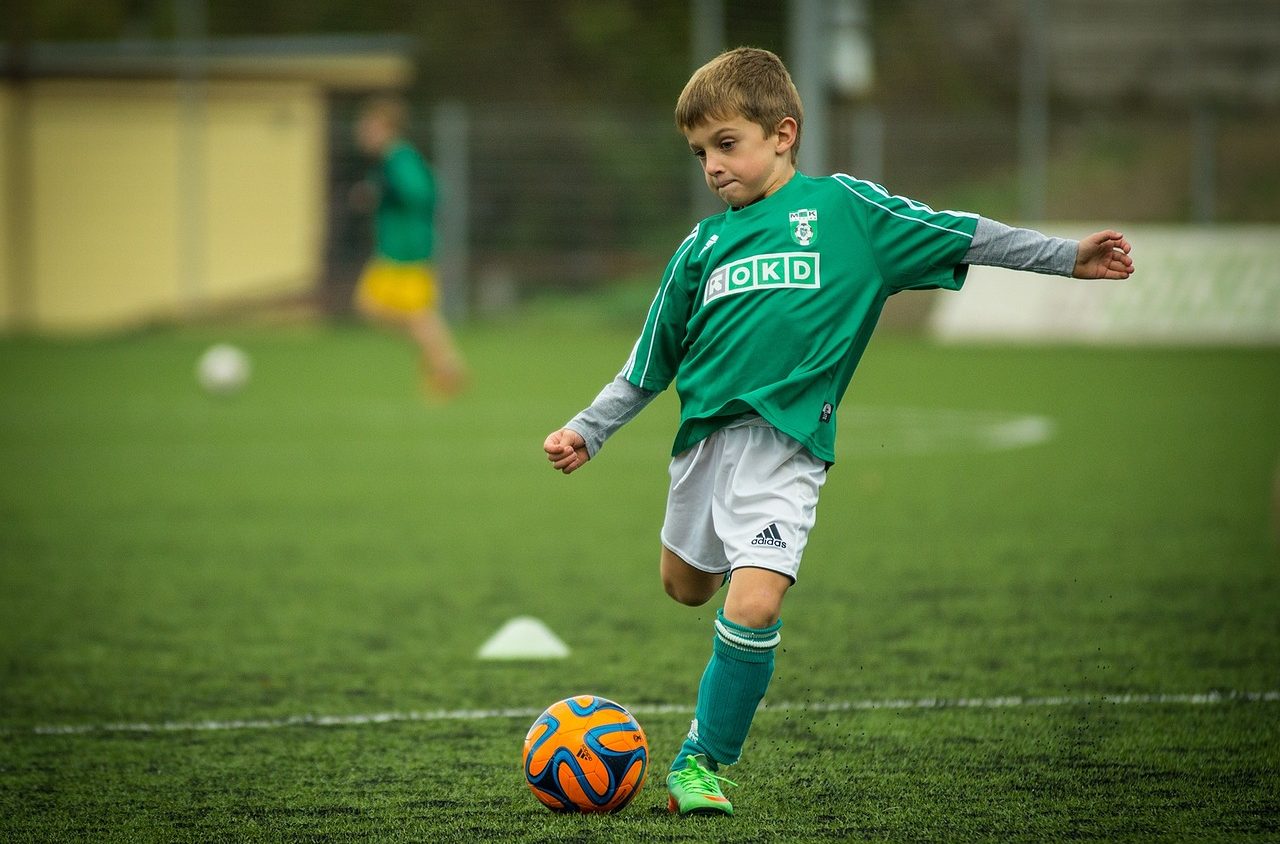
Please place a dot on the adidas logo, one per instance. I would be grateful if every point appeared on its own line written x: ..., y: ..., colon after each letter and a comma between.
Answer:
x: 769, y: 536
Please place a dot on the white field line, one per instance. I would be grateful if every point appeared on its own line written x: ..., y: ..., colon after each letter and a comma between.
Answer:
x: 1196, y: 699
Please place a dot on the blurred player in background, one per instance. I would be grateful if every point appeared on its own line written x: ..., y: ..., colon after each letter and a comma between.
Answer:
x: 398, y: 286
x: 760, y: 319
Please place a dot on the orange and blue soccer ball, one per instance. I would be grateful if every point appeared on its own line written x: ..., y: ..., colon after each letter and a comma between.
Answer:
x: 585, y: 754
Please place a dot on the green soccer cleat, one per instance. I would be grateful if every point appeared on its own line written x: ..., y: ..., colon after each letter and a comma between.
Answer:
x: 696, y: 790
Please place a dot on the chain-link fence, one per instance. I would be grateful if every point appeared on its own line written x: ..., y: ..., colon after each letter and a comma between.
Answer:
x: 575, y: 200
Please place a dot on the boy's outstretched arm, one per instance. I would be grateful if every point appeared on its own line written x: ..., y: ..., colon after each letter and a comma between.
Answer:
x: 583, y: 436
x: 1104, y: 254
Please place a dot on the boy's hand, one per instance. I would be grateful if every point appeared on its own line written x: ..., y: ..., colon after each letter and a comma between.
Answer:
x: 566, y: 450
x: 1103, y: 255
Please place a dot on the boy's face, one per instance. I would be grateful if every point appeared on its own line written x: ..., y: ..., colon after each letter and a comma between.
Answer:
x: 740, y: 163
x: 373, y: 133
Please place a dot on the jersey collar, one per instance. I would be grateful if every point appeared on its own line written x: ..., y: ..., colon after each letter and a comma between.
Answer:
x: 763, y: 206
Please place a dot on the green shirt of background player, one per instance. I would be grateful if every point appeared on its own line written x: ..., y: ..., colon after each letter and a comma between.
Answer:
x: 398, y: 286
x: 761, y: 317
x: 403, y: 225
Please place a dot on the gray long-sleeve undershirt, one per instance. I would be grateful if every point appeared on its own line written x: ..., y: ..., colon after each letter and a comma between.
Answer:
x: 997, y: 245
x: 994, y: 244
x: 616, y: 405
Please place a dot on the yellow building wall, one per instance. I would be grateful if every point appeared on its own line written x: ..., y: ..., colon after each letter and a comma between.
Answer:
x: 6, y: 254
x: 265, y: 191
x: 104, y: 222
x: 117, y: 238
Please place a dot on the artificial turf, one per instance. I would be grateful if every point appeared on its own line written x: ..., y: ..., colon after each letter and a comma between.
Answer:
x: 328, y: 543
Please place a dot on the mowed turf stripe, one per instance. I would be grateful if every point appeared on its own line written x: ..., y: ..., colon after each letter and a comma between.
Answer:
x: 1183, y: 699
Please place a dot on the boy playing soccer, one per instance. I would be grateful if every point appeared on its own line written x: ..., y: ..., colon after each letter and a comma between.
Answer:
x: 761, y: 318
x: 398, y: 285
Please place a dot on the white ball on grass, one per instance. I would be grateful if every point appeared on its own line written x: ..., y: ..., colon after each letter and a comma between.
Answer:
x: 223, y: 369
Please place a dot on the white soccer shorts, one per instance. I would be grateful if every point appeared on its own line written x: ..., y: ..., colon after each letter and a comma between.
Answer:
x: 746, y: 496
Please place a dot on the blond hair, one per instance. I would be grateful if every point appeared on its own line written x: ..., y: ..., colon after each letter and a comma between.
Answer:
x: 744, y: 82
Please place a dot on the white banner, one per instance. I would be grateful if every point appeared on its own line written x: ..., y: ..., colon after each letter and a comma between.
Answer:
x: 1193, y: 284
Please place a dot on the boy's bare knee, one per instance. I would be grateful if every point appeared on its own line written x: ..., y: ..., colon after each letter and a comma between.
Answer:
x: 752, y: 613
x: 755, y: 597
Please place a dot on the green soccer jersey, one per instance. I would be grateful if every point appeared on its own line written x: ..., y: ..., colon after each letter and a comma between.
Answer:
x: 406, y: 202
x: 768, y: 308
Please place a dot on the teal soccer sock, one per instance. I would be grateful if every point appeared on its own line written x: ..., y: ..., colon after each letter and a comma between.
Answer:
x: 732, y: 686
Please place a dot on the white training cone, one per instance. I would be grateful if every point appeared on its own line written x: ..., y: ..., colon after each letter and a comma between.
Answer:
x: 523, y: 637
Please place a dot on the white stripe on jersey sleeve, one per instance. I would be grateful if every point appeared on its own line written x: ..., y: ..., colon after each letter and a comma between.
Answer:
x: 910, y: 203
x: 655, y: 309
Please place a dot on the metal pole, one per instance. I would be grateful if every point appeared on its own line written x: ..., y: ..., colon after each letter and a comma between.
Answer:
x: 191, y: 19
x: 450, y: 158
x: 1204, y: 123
x: 1204, y: 132
x: 853, y: 79
x: 1033, y: 123
x: 867, y: 131
x: 707, y: 37
x: 810, y: 62
x: 708, y: 30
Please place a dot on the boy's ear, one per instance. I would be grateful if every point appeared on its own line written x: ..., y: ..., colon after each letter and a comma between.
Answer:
x: 786, y: 133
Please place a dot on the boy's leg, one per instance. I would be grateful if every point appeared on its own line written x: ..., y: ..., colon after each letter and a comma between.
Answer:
x: 440, y: 356
x: 693, y: 564
x: 740, y: 668
x: 748, y: 496
x: 755, y: 597
x: 403, y: 296
x: 687, y: 585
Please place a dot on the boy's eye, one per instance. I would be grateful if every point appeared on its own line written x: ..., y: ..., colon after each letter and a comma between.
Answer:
x: 699, y: 154
x: 727, y: 144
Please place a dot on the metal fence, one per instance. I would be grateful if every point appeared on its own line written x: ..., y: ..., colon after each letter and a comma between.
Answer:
x: 548, y: 198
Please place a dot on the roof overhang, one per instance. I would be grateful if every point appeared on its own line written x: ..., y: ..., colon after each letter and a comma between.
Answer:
x: 337, y: 62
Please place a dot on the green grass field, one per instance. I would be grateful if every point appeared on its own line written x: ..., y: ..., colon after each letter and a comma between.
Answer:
x: 328, y: 544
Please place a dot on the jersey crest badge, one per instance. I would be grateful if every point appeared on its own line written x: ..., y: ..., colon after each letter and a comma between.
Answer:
x: 804, y: 226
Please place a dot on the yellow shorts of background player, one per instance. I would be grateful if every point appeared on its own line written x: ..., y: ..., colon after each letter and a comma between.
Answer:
x: 397, y: 286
